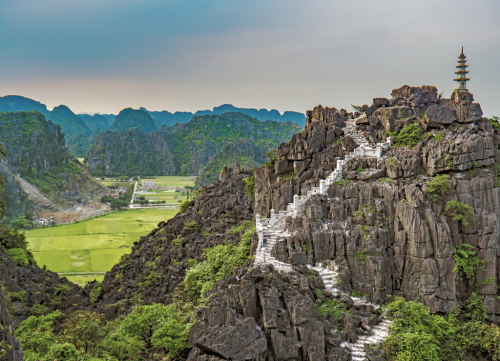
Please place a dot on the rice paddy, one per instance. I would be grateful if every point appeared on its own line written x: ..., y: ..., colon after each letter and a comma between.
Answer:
x: 94, y: 245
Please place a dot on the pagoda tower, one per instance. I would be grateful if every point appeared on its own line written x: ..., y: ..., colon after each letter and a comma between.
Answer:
x: 461, y: 92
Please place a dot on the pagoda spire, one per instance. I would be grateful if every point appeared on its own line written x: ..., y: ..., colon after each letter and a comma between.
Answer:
x: 462, y: 73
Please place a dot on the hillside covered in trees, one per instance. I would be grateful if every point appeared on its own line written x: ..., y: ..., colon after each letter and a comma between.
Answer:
x: 184, y: 149
x: 36, y: 155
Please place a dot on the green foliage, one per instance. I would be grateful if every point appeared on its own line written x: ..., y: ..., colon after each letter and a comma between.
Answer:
x: 243, y: 227
x: 289, y: 175
x: 409, y: 136
x: 361, y: 256
x: 96, y: 292
x: 359, y: 170
x: 448, y: 159
x: 35, y: 333
x: 19, y: 255
x: 305, y: 248
x: 386, y: 180
x: 158, y: 326
x: 466, y: 261
x: 59, y: 296
x: 85, y: 330
x: 183, y: 205
x: 392, y: 161
x: 62, y: 352
x: 341, y: 182
x: 356, y: 108
x: 437, y: 187
x: 461, y: 212
x: 118, y: 204
x: 192, y: 227
x: 494, y: 121
x: 221, y: 261
x: 438, y: 137
x: 250, y: 186
x: 177, y: 242
x: 272, y: 157
x: 417, y: 335
x: 330, y: 307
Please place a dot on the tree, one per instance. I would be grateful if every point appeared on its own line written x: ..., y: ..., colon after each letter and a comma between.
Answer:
x: 85, y: 330
x: 118, y: 204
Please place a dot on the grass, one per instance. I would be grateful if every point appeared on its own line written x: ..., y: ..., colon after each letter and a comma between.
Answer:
x: 95, y: 245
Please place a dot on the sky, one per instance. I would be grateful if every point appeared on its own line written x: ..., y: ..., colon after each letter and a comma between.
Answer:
x: 106, y: 55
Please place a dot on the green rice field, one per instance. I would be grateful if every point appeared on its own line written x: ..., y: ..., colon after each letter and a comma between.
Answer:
x: 94, y: 245
x: 173, y: 181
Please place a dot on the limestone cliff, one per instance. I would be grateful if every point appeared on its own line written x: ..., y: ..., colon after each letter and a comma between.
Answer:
x: 37, y: 154
x: 381, y: 224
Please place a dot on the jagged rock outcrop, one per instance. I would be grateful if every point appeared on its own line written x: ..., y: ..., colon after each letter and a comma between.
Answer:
x: 379, y: 225
x: 262, y: 314
x: 8, y: 342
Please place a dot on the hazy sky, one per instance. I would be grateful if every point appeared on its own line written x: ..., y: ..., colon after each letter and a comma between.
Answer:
x: 105, y: 55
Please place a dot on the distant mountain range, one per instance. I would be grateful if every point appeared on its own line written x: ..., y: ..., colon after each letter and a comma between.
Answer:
x: 167, y: 118
x: 82, y: 129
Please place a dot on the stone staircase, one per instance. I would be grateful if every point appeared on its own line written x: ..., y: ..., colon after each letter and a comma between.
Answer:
x: 358, y: 136
x: 269, y: 229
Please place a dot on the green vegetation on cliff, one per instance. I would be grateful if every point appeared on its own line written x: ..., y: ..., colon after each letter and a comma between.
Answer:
x: 461, y: 335
x: 131, y: 118
x: 185, y: 149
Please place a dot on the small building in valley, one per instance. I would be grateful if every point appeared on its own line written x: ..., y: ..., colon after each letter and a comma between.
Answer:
x: 146, y: 184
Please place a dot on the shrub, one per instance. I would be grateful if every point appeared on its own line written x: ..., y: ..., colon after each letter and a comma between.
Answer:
x: 359, y: 170
x: 466, y: 261
x: 341, y: 182
x: 419, y: 336
x: 361, y: 256
x: 243, y: 227
x: 438, y: 137
x: 96, y: 292
x: 19, y: 256
x: 437, y: 187
x: 35, y: 333
x: 250, y: 186
x: 409, y: 136
x: 150, y: 324
x: 62, y: 352
x: 221, y: 261
x: 272, y: 157
x: 177, y: 242
x: 461, y: 212
x: 494, y: 121
x: 191, y: 227
x: 183, y: 205
x: 392, y: 161
x: 289, y: 175
x: 10, y: 238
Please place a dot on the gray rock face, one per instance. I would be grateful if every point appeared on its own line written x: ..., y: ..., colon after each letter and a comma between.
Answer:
x: 7, y: 339
x: 241, y: 341
x: 381, y: 228
x: 262, y: 314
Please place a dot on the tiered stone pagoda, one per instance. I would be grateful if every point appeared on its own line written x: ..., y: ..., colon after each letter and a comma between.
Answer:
x: 461, y: 93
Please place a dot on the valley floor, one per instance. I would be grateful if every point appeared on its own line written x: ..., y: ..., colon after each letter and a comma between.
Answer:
x: 93, y: 246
